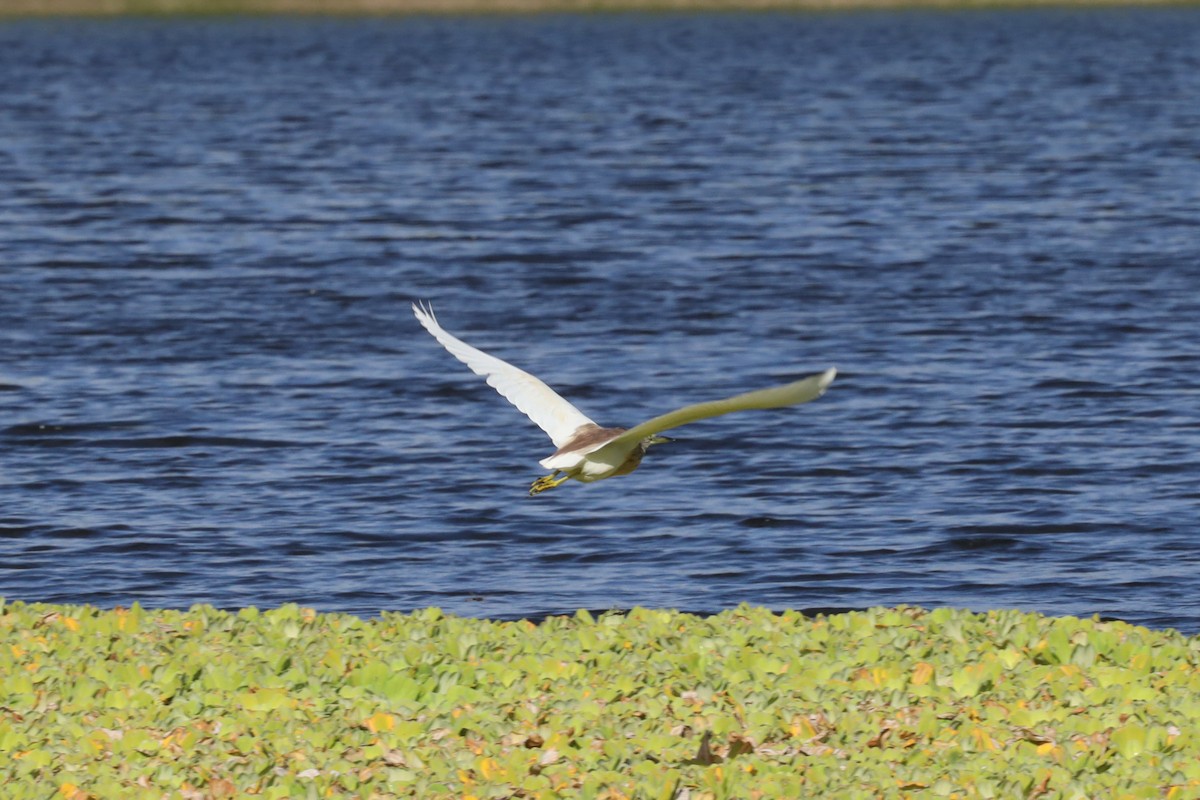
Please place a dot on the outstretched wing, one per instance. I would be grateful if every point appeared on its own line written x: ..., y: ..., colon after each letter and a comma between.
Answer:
x: 558, y: 418
x: 789, y: 394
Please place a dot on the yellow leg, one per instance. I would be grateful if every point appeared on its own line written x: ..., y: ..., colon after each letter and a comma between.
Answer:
x: 547, y: 482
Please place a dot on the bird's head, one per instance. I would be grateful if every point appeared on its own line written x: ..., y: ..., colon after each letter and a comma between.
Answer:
x: 656, y: 439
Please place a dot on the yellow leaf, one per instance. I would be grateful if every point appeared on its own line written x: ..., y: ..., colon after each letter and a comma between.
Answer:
x: 1049, y: 749
x: 70, y: 623
x: 982, y: 740
x: 379, y: 721
x: 922, y: 673
x: 489, y: 768
x: 876, y: 676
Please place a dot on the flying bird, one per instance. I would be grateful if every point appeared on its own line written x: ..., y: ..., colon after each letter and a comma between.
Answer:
x: 586, y: 452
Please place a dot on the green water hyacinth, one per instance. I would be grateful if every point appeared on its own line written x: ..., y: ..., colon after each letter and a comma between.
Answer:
x: 885, y: 703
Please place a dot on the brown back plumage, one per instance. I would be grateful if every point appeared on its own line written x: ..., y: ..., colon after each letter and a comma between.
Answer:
x: 587, y: 438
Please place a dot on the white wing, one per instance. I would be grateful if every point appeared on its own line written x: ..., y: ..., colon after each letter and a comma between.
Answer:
x: 789, y: 394
x: 558, y: 418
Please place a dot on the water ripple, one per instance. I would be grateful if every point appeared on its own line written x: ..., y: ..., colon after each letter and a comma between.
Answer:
x: 211, y: 389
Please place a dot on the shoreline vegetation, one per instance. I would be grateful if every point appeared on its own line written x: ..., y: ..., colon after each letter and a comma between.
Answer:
x: 883, y: 703
x: 106, y: 8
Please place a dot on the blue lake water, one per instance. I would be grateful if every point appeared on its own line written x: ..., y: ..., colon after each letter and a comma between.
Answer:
x: 212, y: 388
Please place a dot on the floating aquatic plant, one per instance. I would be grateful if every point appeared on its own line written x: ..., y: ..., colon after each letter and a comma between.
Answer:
x: 289, y: 702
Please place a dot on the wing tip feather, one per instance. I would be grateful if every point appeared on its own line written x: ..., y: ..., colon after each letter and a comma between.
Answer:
x: 423, y: 311
x: 827, y: 378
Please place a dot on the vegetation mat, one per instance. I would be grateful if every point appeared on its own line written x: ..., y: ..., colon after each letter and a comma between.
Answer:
x: 133, y: 703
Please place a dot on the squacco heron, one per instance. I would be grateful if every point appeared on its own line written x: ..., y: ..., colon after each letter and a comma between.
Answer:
x: 586, y: 452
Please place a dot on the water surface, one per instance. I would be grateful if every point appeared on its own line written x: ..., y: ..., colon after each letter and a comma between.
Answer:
x: 212, y: 388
